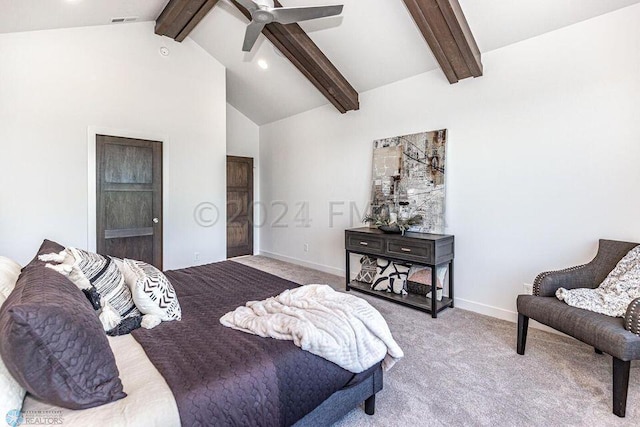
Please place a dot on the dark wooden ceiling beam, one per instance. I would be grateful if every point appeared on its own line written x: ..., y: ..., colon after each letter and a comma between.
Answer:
x: 180, y: 17
x: 446, y: 30
x: 307, y: 57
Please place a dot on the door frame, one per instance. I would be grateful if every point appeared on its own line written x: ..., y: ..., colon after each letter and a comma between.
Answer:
x: 92, y: 132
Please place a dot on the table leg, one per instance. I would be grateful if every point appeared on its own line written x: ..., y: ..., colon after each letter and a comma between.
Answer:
x: 347, y: 271
x: 451, y: 282
x: 434, y: 291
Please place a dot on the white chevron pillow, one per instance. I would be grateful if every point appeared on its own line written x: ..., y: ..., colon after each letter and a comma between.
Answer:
x: 152, y: 292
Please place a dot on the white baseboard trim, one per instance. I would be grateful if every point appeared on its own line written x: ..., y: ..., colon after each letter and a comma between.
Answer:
x: 476, y: 307
x: 500, y: 313
x: 303, y: 263
x: 487, y: 310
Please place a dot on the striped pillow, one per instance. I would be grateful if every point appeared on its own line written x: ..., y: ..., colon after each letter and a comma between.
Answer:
x: 108, y: 291
x: 152, y: 292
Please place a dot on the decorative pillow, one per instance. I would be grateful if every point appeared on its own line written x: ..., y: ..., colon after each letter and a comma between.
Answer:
x: 152, y: 292
x: 615, y: 293
x: 391, y: 277
x: 52, y: 342
x: 102, y: 282
x: 9, y: 272
x: 422, y: 275
x: 368, y: 270
x: 12, y: 393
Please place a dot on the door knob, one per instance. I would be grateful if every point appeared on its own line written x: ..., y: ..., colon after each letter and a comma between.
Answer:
x: 156, y: 220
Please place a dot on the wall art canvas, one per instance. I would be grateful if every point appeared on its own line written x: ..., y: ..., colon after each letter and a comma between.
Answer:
x: 409, y: 178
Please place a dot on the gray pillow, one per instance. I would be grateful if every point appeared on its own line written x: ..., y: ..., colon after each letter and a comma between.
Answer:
x: 52, y: 341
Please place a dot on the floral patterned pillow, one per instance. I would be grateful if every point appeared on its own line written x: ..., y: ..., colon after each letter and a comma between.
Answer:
x: 613, y: 296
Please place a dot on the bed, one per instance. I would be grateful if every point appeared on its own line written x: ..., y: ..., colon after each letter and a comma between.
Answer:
x: 196, y: 372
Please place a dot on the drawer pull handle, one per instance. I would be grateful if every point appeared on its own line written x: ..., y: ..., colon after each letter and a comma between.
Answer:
x: 364, y: 243
x: 405, y: 249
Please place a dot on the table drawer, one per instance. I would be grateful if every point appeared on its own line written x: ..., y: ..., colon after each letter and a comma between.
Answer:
x: 415, y: 251
x: 363, y: 243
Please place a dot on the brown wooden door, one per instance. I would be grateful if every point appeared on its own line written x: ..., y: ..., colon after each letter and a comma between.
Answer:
x: 129, y: 198
x: 239, y: 206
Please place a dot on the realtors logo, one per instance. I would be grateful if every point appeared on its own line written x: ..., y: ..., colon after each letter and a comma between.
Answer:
x: 16, y: 418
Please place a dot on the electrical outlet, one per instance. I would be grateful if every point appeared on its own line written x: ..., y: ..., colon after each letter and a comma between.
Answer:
x: 528, y: 288
x: 196, y: 256
x: 306, y: 247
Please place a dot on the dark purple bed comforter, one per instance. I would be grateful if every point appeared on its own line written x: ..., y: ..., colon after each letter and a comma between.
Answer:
x: 222, y: 377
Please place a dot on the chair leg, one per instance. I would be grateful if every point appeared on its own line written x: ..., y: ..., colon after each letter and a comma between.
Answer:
x: 620, y: 386
x: 597, y: 350
x: 523, y: 326
x: 370, y: 405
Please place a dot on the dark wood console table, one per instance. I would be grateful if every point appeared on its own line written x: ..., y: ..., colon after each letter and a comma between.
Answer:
x: 432, y: 250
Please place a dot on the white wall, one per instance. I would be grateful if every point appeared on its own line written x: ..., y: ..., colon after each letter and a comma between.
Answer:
x: 56, y: 84
x: 243, y: 140
x: 543, y: 158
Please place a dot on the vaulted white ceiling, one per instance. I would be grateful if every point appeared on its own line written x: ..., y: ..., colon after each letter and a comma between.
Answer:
x: 28, y: 15
x: 373, y: 43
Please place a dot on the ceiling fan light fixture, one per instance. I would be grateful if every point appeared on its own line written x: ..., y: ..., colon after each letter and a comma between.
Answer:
x: 262, y: 17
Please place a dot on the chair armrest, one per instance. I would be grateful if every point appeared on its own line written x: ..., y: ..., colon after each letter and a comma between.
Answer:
x: 632, y: 318
x: 582, y: 276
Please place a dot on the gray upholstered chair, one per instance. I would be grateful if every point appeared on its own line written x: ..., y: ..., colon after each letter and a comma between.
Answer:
x: 618, y: 337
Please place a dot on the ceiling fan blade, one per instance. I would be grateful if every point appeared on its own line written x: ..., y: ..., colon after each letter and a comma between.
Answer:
x: 251, y: 35
x: 289, y: 15
x: 247, y: 4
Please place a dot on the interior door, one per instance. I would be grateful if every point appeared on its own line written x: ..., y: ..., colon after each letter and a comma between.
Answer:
x: 129, y: 198
x: 239, y: 206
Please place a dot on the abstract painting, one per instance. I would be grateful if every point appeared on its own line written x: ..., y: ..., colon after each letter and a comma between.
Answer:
x: 409, y: 178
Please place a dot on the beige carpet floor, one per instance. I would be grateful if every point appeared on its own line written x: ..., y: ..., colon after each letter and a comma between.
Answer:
x: 462, y: 369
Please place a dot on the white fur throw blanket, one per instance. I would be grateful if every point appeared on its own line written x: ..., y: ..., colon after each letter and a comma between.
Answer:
x: 615, y: 294
x: 339, y: 327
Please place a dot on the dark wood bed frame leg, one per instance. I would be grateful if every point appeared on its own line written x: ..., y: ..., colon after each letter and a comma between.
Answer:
x: 620, y: 386
x: 523, y: 326
x: 370, y: 405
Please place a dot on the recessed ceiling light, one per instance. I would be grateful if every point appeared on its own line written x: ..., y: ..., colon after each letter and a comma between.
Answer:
x: 263, y: 64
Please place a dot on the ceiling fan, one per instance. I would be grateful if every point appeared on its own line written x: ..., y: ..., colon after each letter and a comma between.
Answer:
x: 263, y: 12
